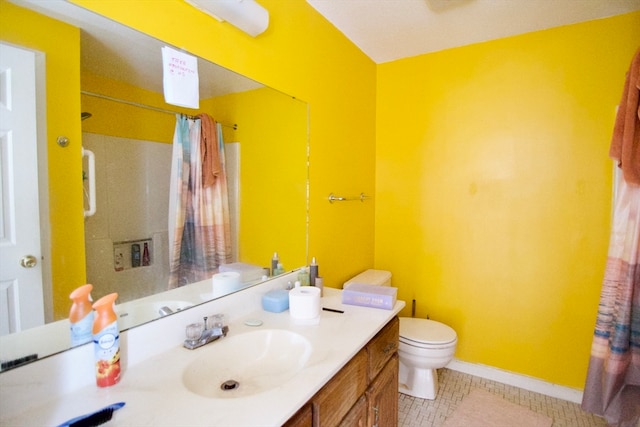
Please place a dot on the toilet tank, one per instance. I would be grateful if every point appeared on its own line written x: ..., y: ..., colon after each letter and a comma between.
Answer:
x: 371, y: 277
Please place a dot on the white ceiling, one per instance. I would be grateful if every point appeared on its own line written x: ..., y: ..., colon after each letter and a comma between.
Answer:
x: 386, y: 30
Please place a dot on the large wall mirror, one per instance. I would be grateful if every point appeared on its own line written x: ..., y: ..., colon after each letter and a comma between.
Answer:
x: 129, y: 129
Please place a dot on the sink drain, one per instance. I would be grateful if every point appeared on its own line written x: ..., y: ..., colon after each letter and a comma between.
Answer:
x: 229, y: 385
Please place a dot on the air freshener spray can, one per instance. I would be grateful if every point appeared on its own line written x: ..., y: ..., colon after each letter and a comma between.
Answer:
x: 106, y: 341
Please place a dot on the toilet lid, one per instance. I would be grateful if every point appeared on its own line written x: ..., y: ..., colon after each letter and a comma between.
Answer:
x: 425, y: 331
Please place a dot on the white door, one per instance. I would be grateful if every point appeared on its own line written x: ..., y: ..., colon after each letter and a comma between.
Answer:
x: 21, y: 292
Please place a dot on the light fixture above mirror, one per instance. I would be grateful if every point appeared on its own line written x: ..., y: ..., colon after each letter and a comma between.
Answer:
x: 246, y: 15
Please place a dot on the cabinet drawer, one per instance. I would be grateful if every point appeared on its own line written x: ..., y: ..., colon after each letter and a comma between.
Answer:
x: 337, y: 397
x: 382, y: 347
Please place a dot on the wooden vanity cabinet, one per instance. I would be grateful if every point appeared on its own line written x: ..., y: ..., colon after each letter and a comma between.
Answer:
x: 365, y: 391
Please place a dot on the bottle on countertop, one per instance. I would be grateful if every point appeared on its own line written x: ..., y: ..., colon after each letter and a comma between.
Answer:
x: 320, y: 284
x: 274, y: 264
x: 303, y: 276
x: 106, y: 339
x: 313, y: 272
x: 81, y: 315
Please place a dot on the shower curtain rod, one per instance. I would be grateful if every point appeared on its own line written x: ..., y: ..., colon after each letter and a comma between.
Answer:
x: 148, y: 107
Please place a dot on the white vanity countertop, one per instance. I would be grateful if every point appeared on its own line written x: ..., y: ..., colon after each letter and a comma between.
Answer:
x: 155, y: 394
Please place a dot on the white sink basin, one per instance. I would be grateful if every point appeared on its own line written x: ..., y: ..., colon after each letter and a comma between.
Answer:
x: 248, y: 364
x: 138, y: 313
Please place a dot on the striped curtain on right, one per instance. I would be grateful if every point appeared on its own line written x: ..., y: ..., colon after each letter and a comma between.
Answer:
x: 612, y: 388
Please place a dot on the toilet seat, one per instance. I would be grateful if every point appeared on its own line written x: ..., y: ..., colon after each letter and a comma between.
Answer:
x: 425, y: 333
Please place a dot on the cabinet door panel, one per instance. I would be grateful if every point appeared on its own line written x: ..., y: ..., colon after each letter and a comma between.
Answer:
x: 357, y: 416
x: 382, y: 397
x: 337, y: 397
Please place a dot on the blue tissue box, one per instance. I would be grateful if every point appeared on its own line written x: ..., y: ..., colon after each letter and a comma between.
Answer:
x: 370, y: 296
x: 276, y: 300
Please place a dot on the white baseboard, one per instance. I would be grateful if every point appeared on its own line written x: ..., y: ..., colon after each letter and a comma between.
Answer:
x: 517, y: 380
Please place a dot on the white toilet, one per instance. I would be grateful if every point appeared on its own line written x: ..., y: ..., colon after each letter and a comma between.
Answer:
x: 425, y: 345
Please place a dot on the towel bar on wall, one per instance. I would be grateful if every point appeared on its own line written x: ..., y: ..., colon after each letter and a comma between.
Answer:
x: 362, y: 197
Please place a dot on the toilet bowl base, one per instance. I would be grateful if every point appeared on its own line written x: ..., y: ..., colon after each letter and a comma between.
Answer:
x: 416, y: 382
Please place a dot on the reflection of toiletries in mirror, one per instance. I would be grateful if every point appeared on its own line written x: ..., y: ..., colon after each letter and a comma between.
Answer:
x: 106, y: 339
x: 81, y: 315
x: 279, y: 269
x: 146, y: 260
x: 118, y: 259
x: 135, y: 255
x: 303, y: 276
x: 274, y: 264
x: 313, y: 272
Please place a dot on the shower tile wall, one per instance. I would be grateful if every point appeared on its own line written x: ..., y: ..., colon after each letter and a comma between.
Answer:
x: 132, y: 187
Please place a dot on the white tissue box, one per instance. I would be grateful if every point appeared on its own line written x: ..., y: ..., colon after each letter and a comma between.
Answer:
x: 370, y: 295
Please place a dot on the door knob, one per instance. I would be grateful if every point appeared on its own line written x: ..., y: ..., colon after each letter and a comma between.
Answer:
x: 28, y: 261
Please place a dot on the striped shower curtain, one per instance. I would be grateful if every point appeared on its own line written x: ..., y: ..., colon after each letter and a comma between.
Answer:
x: 199, y: 228
x: 612, y: 389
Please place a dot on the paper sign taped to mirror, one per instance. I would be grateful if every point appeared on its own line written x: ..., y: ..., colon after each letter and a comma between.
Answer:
x: 180, y: 78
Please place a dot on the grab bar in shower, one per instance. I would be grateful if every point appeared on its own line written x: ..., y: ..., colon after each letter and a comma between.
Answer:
x: 91, y: 163
x: 333, y: 198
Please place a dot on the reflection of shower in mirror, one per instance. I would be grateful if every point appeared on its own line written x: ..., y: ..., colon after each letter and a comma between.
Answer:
x: 131, y: 193
x: 135, y: 216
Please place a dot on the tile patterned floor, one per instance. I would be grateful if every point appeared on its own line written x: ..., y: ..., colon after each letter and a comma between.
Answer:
x: 454, y: 386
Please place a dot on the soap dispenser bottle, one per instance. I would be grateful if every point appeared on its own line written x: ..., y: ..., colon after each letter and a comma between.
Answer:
x: 81, y: 315
x: 106, y: 341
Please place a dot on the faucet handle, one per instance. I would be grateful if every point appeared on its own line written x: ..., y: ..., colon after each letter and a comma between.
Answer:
x: 214, y: 321
x: 194, y: 331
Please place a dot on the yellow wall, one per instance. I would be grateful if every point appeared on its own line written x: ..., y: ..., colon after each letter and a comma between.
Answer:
x: 62, y: 62
x: 493, y: 197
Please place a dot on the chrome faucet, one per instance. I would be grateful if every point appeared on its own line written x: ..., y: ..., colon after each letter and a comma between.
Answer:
x: 202, y: 333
